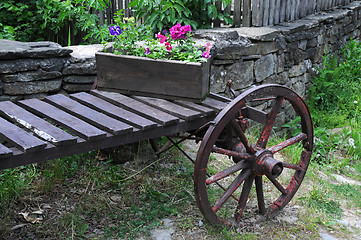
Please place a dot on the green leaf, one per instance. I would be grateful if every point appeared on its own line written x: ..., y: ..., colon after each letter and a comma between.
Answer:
x: 179, y: 9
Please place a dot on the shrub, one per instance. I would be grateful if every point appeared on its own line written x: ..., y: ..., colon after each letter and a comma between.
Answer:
x: 38, y: 20
x: 162, y: 14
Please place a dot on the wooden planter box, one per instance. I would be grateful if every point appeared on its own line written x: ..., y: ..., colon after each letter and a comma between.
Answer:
x: 160, y: 78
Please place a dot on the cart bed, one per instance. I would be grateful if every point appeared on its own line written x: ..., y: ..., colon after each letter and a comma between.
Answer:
x: 36, y: 130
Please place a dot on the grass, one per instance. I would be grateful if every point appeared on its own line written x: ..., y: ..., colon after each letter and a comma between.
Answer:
x: 92, y: 199
x: 93, y: 190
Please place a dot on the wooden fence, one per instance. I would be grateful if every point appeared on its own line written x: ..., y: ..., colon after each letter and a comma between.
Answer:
x: 259, y: 13
x: 249, y: 13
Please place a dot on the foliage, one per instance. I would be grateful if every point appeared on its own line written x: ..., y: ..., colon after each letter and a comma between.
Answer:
x: 162, y: 14
x: 334, y: 103
x: 37, y: 20
x: 177, y: 44
x: 337, y: 87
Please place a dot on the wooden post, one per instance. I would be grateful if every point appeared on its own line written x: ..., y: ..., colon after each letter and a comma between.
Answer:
x: 237, y: 13
x: 318, y: 6
x: 257, y: 13
x: 288, y: 10
x: 283, y: 11
x: 277, y: 11
x: 265, y: 12
x: 271, y: 12
x: 246, y: 14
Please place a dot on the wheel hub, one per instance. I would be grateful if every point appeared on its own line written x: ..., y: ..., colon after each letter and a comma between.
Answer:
x: 265, y: 164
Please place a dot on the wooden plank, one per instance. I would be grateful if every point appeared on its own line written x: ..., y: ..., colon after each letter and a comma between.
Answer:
x: 283, y: 11
x: 137, y: 107
x: 215, y: 104
x: 311, y: 4
x: 293, y: 8
x: 237, y: 13
x: 194, y: 106
x: 157, y: 78
x: 171, y: 108
x: 271, y: 12
x: 114, y: 111
x: 318, y: 5
x: 5, y: 152
x: 254, y: 114
x: 38, y: 126
x: 246, y: 13
x: 20, y: 138
x: 257, y: 14
x: 64, y: 119
x: 288, y: 10
x: 265, y: 12
x: 277, y: 11
x: 52, y: 152
x: 219, y: 97
x: 89, y: 115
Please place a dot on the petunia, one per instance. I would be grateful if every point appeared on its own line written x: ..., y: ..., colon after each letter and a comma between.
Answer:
x: 187, y: 28
x: 115, y: 30
x: 175, y: 31
x: 168, y: 46
x: 205, y: 55
x: 147, y: 50
x: 162, y: 38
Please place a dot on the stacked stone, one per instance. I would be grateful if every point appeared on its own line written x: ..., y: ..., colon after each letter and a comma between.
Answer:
x: 286, y: 54
x: 30, y: 69
x: 80, y: 69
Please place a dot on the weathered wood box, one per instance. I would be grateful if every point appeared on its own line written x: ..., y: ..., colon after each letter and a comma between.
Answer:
x: 160, y: 78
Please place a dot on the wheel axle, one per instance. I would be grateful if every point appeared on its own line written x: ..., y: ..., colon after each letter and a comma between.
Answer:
x: 265, y: 164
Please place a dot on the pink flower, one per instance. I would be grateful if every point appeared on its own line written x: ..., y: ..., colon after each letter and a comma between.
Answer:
x: 168, y: 46
x: 208, y: 47
x: 187, y: 28
x: 205, y: 55
x: 162, y: 38
x: 178, y: 31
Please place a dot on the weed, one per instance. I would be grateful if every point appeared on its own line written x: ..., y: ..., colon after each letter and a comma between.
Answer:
x: 320, y: 199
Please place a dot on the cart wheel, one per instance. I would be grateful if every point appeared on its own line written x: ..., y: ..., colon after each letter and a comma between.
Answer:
x: 234, y: 153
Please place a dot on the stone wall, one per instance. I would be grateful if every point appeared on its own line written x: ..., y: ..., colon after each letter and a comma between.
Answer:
x: 286, y: 54
x: 37, y: 69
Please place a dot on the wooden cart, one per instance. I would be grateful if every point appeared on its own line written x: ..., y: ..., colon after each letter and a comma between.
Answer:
x: 34, y: 130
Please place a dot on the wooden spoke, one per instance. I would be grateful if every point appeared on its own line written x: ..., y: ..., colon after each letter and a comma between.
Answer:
x: 230, y: 153
x: 292, y: 166
x: 262, y: 141
x: 288, y: 142
x: 260, y: 196
x: 226, y: 172
x: 243, y: 199
x: 241, y: 135
x: 277, y: 184
x: 231, y: 189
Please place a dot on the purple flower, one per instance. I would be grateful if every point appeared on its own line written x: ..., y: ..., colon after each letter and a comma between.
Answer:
x: 147, y: 50
x: 115, y: 30
x: 164, y: 32
x: 205, y: 55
